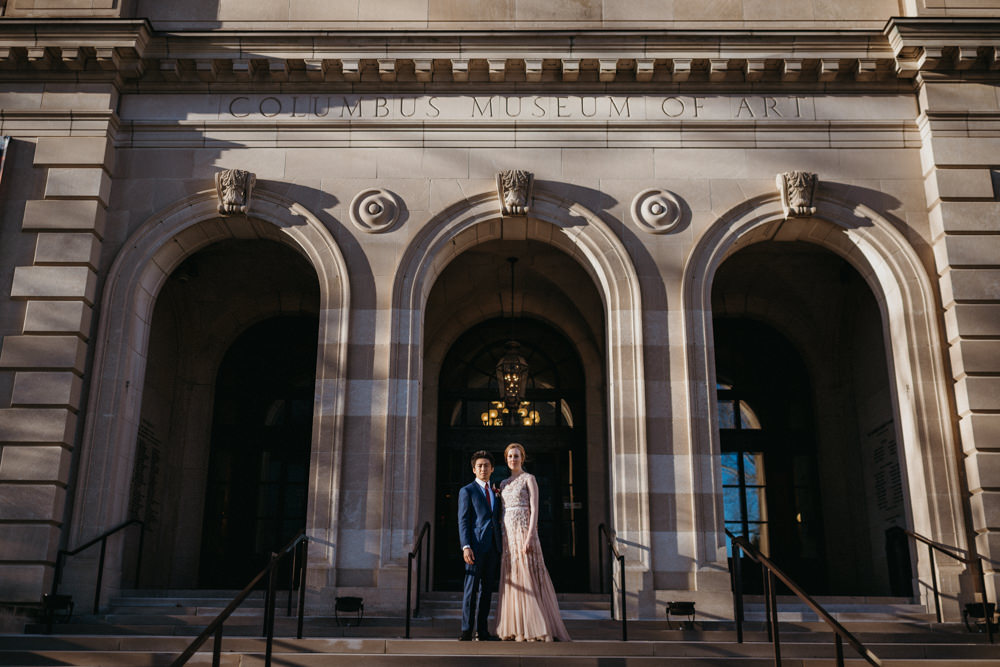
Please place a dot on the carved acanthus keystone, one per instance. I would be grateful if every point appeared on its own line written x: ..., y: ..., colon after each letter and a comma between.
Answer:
x: 514, y: 189
x: 234, y: 187
x: 798, y: 189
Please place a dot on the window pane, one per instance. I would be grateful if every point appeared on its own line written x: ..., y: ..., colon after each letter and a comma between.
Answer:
x: 753, y: 468
x: 730, y: 472
x: 731, y: 504
x: 756, y: 505
x: 727, y: 418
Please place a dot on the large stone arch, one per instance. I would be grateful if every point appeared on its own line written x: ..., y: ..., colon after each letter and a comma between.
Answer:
x: 582, y: 235
x: 906, y: 299
x: 138, y: 273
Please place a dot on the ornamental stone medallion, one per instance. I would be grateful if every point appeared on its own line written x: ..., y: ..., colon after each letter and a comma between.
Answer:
x: 797, y: 191
x: 656, y: 211
x: 514, y: 188
x: 234, y: 187
x: 374, y: 210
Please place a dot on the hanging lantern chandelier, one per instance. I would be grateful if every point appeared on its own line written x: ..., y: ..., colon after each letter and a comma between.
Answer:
x: 512, y: 379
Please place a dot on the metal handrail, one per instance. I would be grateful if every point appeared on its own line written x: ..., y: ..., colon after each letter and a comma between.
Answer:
x: 103, y: 539
x: 770, y: 598
x: 609, y: 538
x: 298, y: 544
x: 954, y: 552
x: 417, y: 553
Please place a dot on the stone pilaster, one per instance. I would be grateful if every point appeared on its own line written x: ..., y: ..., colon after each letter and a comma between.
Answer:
x: 38, y: 430
x: 959, y: 149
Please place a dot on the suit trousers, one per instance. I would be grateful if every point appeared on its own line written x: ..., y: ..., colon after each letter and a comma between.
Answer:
x: 480, y: 584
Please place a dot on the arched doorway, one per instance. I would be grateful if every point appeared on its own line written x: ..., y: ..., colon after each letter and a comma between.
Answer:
x: 550, y: 424
x: 811, y: 469
x: 227, y: 395
x: 258, y: 472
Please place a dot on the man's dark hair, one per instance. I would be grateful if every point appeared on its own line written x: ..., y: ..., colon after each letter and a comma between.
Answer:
x: 483, y: 454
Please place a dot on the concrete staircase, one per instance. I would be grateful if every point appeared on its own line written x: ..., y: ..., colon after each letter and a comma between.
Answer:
x: 151, y: 628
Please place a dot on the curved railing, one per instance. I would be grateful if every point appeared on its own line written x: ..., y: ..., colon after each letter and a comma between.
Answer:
x: 417, y: 554
x: 609, y: 539
x: 297, y: 548
x: 103, y: 539
x: 770, y: 600
x: 955, y: 553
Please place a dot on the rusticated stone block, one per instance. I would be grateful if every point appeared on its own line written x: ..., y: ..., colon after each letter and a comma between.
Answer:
x: 985, y: 510
x: 972, y: 319
x: 64, y: 215
x: 35, y: 464
x: 74, y: 151
x: 32, y: 502
x: 983, y: 470
x: 980, y: 432
x: 24, y: 583
x: 29, y: 542
x: 80, y: 182
x: 52, y: 388
x: 68, y: 249
x: 69, y: 317
x: 43, y: 352
x: 970, y: 285
x: 37, y: 425
x: 964, y: 217
x: 54, y: 282
x: 977, y: 393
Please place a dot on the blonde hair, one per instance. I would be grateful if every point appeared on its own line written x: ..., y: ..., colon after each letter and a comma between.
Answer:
x: 515, y: 445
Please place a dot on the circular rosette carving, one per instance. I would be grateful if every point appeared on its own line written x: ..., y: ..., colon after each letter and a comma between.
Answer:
x: 374, y: 210
x: 656, y: 211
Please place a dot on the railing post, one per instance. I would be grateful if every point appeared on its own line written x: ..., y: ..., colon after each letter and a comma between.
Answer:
x: 738, y: 591
x: 420, y: 562
x: 427, y: 574
x: 772, y: 594
x: 292, y: 571
x: 217, y: 647
x: 409, y: 580
x: 934, y: 585
x: 766, y: 581
x: 304, y: 563
x: 269, y: 613
x: 840, y: 650
x: 100, y: 575
x: 621, y: 582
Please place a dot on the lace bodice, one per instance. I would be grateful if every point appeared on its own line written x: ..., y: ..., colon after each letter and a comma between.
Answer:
x: 515, y: 493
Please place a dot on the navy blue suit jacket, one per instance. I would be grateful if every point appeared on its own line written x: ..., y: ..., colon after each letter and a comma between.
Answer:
x: 478, y: 527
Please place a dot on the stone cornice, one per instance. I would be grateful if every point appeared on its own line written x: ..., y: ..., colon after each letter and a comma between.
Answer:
x: 944, y: 45
x: 133, y: 53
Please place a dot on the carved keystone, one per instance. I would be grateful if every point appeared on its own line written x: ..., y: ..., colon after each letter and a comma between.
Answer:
x: 234, y: 187
x: 797, y: 190
x: 514, y: 188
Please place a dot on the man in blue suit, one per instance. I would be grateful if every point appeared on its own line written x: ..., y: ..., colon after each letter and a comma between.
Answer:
x: 479, y: 517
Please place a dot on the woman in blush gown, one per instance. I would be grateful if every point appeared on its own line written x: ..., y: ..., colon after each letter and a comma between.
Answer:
x: 528, y: 610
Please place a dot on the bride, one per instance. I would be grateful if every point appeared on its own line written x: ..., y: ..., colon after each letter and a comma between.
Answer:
x: 527, y: 603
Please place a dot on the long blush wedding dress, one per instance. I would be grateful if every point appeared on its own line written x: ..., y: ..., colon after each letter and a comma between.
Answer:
x: 528, y: 610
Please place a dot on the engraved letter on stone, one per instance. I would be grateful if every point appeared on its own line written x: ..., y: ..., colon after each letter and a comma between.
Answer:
x: 797, y: 191
x: 514, y: 189
x: 234, y: 187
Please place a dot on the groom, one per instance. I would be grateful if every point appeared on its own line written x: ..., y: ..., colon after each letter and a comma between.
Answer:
x: 479, y: 519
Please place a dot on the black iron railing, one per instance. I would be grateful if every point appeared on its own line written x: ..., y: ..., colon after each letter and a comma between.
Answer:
x: 103, y: 539
x: 975, y: 562
x: 771, y: 571
x: 298, y: 550
x: 417, y: 554
x: 612, y: 547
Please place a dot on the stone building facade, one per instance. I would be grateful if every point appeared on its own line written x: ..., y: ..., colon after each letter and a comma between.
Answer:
x: 256, y: 278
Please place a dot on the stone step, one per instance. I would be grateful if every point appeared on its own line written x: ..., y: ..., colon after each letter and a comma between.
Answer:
x: 86, y: 651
